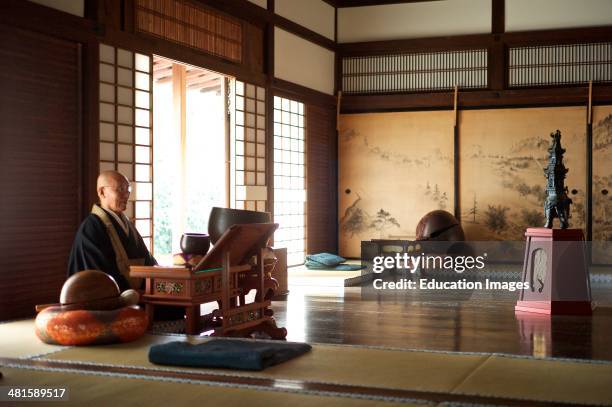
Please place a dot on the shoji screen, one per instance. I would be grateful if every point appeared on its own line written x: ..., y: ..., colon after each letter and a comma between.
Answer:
x: 248, y: 147
x: 126, y: 128
x: 290, y: 178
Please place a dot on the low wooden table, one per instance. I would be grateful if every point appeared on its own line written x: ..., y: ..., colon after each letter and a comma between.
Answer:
x: 217, y: 278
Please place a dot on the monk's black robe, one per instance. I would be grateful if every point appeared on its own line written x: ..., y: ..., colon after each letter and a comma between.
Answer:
x: 92, y: 249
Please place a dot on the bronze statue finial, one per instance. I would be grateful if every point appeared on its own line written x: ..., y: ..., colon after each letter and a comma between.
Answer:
x: 557, y: 204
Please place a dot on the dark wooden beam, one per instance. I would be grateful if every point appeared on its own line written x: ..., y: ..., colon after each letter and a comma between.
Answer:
x: 472, y: 41
x: 415, y: 45
x: 337, y: 58
x: 262, y: 17
x: 305, y: 33
x: 241, y: 9
x: 128, y: 16
x: 302, y: 93
x: 565, y: 96
x: 498, y: 16
x: 149, y: 44
x: 91, y: 122
x: 332, y: 3
x: 269, y: 38
x: 497, y: 58
x: 561, y: 36
x: 269, y: 58
x: 361, y: 3
x: 46, y: 20
x: 107, y: 12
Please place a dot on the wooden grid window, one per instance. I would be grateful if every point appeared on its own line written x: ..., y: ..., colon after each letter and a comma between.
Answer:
x: 415, y: 72
x: 249, y: 147
x: 560, y: 64
x: 290, y: 178
x: 125, y: 114
x: 189, y: 24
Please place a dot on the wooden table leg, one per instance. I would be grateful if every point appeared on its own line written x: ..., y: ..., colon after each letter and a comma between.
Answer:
x: 149, y: 310
x: 192, y: 320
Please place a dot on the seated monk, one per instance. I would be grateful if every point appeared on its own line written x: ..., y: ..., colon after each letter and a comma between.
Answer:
x: 108, y: 241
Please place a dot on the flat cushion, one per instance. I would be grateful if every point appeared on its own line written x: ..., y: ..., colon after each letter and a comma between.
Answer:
x: 57, y: 326
x: 326, y: 259
x: 313, y: 265
x: 228, y: 353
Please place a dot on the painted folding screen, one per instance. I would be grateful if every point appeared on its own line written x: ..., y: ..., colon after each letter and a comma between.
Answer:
x: 393, y: 169
x: 503, y: 154
x: 602, y: 185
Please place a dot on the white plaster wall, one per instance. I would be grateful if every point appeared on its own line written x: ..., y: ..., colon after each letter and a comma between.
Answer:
x: 524, y: 15
x: 76, y: 7
x: 299, y: 61
x: 315, y: 15
x: 260, y: 3
x: 414, y: 20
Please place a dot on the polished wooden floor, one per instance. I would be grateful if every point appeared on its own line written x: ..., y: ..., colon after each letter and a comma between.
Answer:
x: 477, y: 321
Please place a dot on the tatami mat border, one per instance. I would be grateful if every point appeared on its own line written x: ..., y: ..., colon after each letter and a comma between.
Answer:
x: 419, y: 397
x: 246, y: 375
x: 43, y: 354
x: 287, y: 389
x: 397, y: 349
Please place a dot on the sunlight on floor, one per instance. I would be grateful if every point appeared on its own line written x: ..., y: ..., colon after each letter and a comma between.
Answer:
x: 320, y: 283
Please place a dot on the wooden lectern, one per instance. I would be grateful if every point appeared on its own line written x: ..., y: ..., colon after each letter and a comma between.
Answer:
x: 237, y: 256
x: 556, y: 270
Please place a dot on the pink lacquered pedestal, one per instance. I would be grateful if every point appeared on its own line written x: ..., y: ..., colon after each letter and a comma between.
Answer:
x: 556, y: 270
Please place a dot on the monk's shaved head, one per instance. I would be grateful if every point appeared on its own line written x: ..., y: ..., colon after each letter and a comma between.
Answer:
x: 113, y: 191
x: 110, y: 178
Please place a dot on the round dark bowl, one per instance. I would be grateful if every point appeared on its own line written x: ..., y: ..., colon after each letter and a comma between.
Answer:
x: 195, y: 243
x: 441, y: 226
x: 222, y: 218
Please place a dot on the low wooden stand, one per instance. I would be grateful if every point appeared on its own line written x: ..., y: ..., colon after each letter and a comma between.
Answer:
x: 555, y: 269
x: 218, y: 277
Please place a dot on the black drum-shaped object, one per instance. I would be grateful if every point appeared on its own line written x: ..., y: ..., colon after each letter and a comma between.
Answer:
x: 222, y: 218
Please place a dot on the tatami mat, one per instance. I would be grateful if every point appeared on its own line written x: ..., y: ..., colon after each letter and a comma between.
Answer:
x: 453, y: 373
x: 17, y: 340
x: 521, y: 378
x: 98, y: 390
x: 345, y: 365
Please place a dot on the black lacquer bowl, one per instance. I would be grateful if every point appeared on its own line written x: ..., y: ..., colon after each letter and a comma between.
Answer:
x: 222, y: 218
x: 195, y: 243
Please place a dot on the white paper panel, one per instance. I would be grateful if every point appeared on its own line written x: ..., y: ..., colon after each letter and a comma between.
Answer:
x: 125, y: 96
x: 125, y: 152
x: 142, y: 62
x: 107, y: 132
x: 300, y: 61
x: 127, y: 170
x: 107, y: 151
x: 107, y: 53
x: 107, y: 112
x: 523, y: 15
x: 315, y: 15
x: 125, y: 134
x: 414, y: 20
x: 125, y: 58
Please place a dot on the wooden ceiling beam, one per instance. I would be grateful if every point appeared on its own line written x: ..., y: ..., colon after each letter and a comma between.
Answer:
x: 361, y: 3
x: 204, y: 83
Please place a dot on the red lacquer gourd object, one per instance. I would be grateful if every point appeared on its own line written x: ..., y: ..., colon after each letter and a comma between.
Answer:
x: 91, y: 311
x: 88, y: 327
